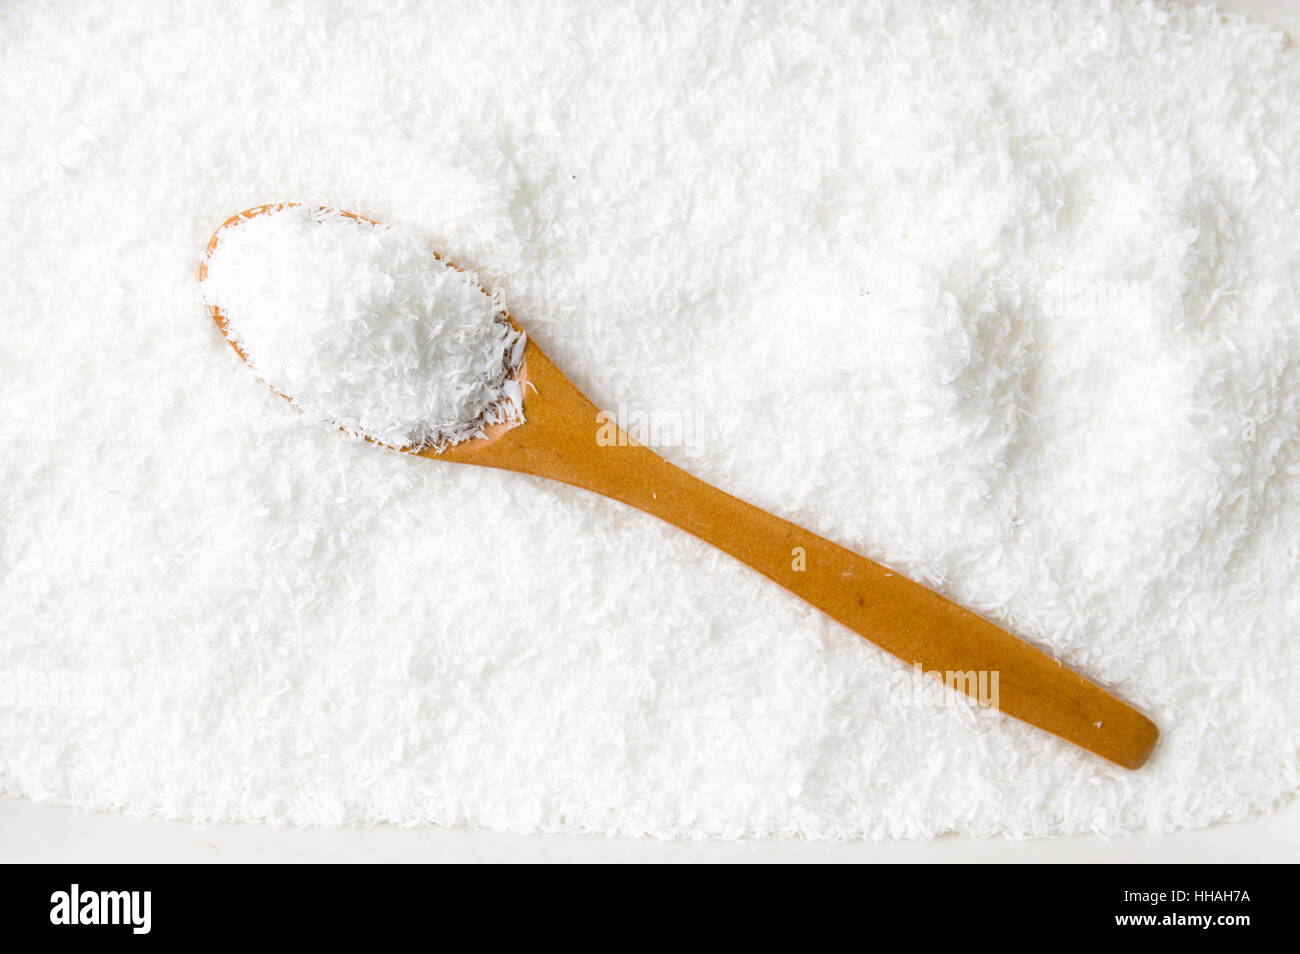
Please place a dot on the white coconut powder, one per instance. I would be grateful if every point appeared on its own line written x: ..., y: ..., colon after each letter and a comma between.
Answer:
x: 1003, y: 294
x: 363, y: 328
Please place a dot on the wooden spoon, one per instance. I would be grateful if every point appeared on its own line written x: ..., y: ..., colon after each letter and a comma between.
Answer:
x: 563, y: 439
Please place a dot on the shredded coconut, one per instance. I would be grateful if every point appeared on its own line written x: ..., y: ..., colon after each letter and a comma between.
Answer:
x: 1004, y: 294
x: 363, y: 328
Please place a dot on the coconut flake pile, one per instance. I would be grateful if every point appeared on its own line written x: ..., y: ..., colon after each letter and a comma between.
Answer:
x: 1002, y: 293
x: 363, y: 328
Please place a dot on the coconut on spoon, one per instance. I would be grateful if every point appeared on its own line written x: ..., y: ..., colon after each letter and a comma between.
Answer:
x: 363, y: 328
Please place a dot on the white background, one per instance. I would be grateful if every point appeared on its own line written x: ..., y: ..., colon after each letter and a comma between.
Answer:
x: 40, y: 833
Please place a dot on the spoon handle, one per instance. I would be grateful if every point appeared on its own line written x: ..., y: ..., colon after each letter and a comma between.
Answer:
x: 564, y: 439
x: 900, y: 616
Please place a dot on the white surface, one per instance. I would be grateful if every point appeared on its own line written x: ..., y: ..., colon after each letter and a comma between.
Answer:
x: 28, y: 832
x: 35, y: 833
